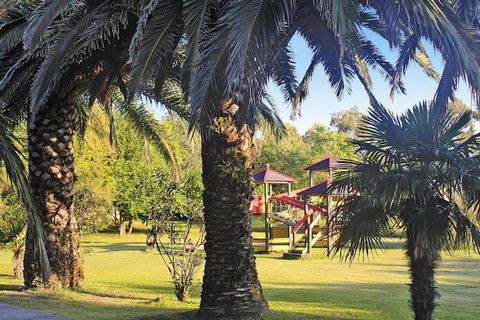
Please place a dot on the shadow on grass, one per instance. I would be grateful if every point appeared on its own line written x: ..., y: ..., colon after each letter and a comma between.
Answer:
x: 288, y: 300
x: 118, y: 247
x: 11, y: 287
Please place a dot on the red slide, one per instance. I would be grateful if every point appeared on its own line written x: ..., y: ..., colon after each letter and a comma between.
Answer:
x: 296, y: 203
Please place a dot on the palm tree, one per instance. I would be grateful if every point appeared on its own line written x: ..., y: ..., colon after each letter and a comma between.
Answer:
x: 236, y: 58
x: 408, y: 178
x: 51, y: 130
x: 11, y: 159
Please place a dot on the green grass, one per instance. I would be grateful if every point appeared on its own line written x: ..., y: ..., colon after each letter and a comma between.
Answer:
x: 124, y: 281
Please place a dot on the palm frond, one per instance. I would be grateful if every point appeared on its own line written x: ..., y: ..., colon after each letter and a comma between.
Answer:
x: 147, y: 127
x: 195, y: 18
x: 41, y: 18
x: 157, y: 40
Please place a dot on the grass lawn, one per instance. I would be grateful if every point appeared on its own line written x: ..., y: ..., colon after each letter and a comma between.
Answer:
x: 123, y: 281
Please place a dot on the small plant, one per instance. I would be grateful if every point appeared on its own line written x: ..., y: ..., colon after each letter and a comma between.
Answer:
x: 179, y: 253
x: 13, y: 222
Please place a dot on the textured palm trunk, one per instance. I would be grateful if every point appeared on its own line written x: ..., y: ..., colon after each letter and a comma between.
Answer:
x: 51, y: 168
x: 422, y: 263
x: 231, y: 288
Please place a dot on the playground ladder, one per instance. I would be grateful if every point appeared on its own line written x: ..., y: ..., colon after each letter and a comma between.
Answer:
x: 309, y: 233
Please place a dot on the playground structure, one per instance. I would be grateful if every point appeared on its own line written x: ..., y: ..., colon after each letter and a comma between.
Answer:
x: 294, y: 220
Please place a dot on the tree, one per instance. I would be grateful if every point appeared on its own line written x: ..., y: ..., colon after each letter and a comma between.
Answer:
x: 68, y: 98
x: 324, y: 142
x: 406, y: 177
x: 169, y: 202
x: 288, y: 153
x: 130, y: 171
x: 347, y: 121
x: 15, y: 171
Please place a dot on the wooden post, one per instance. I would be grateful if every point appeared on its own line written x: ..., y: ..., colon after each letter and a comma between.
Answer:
x: 328, y: 225
x: 289, y: 188
x: 329, y: 212
x: 310, y: 177
x: 307, y: 224
x: 267, y: 226
x: 291, y: 238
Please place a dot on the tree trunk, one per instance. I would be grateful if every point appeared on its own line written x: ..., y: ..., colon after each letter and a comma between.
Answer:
x: 121, y: 226
x: 231, y: 288
x: 17, y: 262
x: 422, y: 263
x: 130, y: 226
x: 51, y: 168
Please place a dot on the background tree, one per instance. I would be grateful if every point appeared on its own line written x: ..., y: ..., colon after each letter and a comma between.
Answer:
x: 409, y: 178
x: 347, y: 121
x: 288, y: 153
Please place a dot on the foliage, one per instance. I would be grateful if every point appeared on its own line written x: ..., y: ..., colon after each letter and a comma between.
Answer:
x: 324, y: 142
x: 288, y: 154
x: 292, y: 152
x: 13, y: 221
x: 92, y: 212
x: 410, y: 177
x: 129, y: 174
x: 347, y: 121
x: 180, y: 254
x: 143, y: 184
x: 168, y: 202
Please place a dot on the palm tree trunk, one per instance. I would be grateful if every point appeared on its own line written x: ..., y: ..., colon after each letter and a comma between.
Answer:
x: 231, y: 287
x: 422, y: 263
x: 51, y: 168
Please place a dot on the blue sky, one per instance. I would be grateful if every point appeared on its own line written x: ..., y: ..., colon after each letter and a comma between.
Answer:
x: 322, y: 102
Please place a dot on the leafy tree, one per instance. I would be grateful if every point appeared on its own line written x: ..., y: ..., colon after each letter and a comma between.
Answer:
x: 130, y: 171
x: 323, y: 142
x: 411, y: 178
x: 288, y: 153
x: 93, y: 211
x: 347, y: 121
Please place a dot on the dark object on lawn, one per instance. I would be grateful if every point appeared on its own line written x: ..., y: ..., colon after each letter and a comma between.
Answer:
x: 150, y: 241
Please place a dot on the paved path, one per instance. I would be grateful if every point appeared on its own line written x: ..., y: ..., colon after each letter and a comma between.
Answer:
x: 9, y: 312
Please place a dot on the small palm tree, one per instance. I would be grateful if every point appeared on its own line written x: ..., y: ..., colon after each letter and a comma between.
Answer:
x: 409, y: 177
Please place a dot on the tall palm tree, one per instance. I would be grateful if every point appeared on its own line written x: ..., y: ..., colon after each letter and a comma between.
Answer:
x: 11, y: 158
x: 409, y: 178
x: 51, y: 130
x: 238, y: 55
